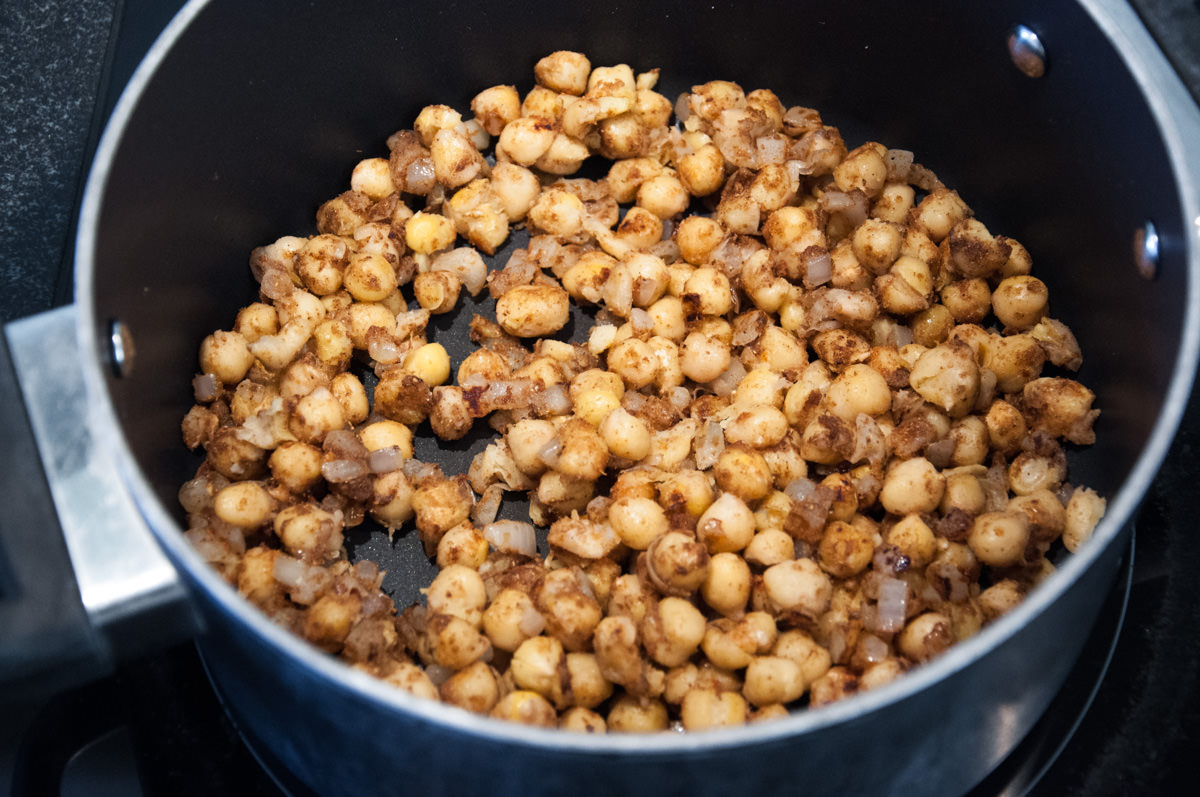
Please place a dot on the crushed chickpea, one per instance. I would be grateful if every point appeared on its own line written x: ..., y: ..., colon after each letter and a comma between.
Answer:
x: 807, y: 383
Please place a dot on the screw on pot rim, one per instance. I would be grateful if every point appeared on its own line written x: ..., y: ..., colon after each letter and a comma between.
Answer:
x: 1146, y: 250
x: 121, y: 349
x: 1027, y: 52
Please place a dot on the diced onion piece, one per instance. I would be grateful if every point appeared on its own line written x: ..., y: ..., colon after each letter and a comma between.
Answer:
x: 511, y: 536
x: 205, y: 388
x: 339, y: 471
x: 385, y: 460
x: 465, y: 263
x: 893, y: 605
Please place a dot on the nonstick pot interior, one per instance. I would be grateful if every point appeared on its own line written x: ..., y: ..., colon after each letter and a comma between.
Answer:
x: 259, y: 111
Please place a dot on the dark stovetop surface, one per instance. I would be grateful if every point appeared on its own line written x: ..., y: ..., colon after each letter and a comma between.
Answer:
x: 155, y: 727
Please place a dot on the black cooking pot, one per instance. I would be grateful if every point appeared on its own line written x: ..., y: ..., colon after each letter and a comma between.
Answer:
x: 244, y: 116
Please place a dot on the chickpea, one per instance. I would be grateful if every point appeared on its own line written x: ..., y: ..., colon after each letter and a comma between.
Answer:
x: 770, y: 547
x: 726, y: 526
x: 926, y: 636
x: 536, y: 665
x: 625, y: 435
x: 296, y: 466
x: 702, y: 358
x: 533, y: 310
x: 845, y: 550
x: 773, y: 679
x: 858, y: 389
x: 495, y: 107
x: 999, y: 538
x: 427, y: 233
x: 674, y: 632
x: 475, y: 688
x: 664, y: 195
x: 456, y: 643
x: 351, y: 394
x: 245, y: 504
x: 564, y: 71
x: 743, y: 472
x: 1020, y: 302
x: 677, y: 562
x: 703, y: 709
x: 458, y: 591
x: 726, y: 588
x: 462, y: 545
x: 226, y: 355
x: 526, y: 707
x: 912, y: 486
x: 798, y: 586
x: 309, y: 532
x: 510, y: 619
x: 1084, y: 510
x: 430, y: 363
x: 630, y: 714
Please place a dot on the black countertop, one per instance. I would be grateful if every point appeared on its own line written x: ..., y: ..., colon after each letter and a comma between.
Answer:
x: 56, y: 65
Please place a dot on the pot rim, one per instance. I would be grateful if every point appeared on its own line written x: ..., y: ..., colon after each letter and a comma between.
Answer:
x: 1179, y: 124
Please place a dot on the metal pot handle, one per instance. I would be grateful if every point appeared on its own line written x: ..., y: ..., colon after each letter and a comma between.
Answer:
x: 73, y: 604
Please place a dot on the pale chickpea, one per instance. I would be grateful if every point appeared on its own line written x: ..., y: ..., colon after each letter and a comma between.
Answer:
x: 458, y: 591
x: 864, y: 169
x: 912, y: 486
x: 664, y: 195
x: 634, y: 361
x: 462, y: 545
x: 667, y: 314
x: 703, y: 709
x: 296, y: 466
x: 557, y: 211
x: 515, y: 188
x: 727, y: 525
x: 640, y: 228
x: 350, y: 393
x: 696, y: 237
x: 511, y: 618
x: 999, y: 538
x: 690, y: 489
x: 703, y: 358
x: 526, y: 707
x: 626, y: 435
x: 533, y: 310
x: 1084, y: 510
x: 773, y: 679
x: 226, y: 355
x: 495, y: 107
x: 702, y: 172
x: 926, y: 636
x: 845, y: 550
x: 858, y: 389
x: 744, y: 472
x: 564, y: 71
x: 800, y: 647
x: 915, y: 540
x: 964, y: 492
x: 426, y: 233
x: 431, y: 363
x: 799, y: 586
x: 1020, y: 302
x: 309, y: 532
x: 711, y: 289
x: 630, y: 714
x: 637, y: 521
x: 726, y: 588
x: 246, y: 504
x: 677, y: 634
x: 770, y: 547
x: 256, y: 320
x: 947, y: 376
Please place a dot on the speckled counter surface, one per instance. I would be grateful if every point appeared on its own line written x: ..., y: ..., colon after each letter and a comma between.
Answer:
x: 52, y: 57
x: 56, y: 67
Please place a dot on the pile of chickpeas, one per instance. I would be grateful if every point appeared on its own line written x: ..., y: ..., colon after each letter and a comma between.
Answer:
x: 811, y: 432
